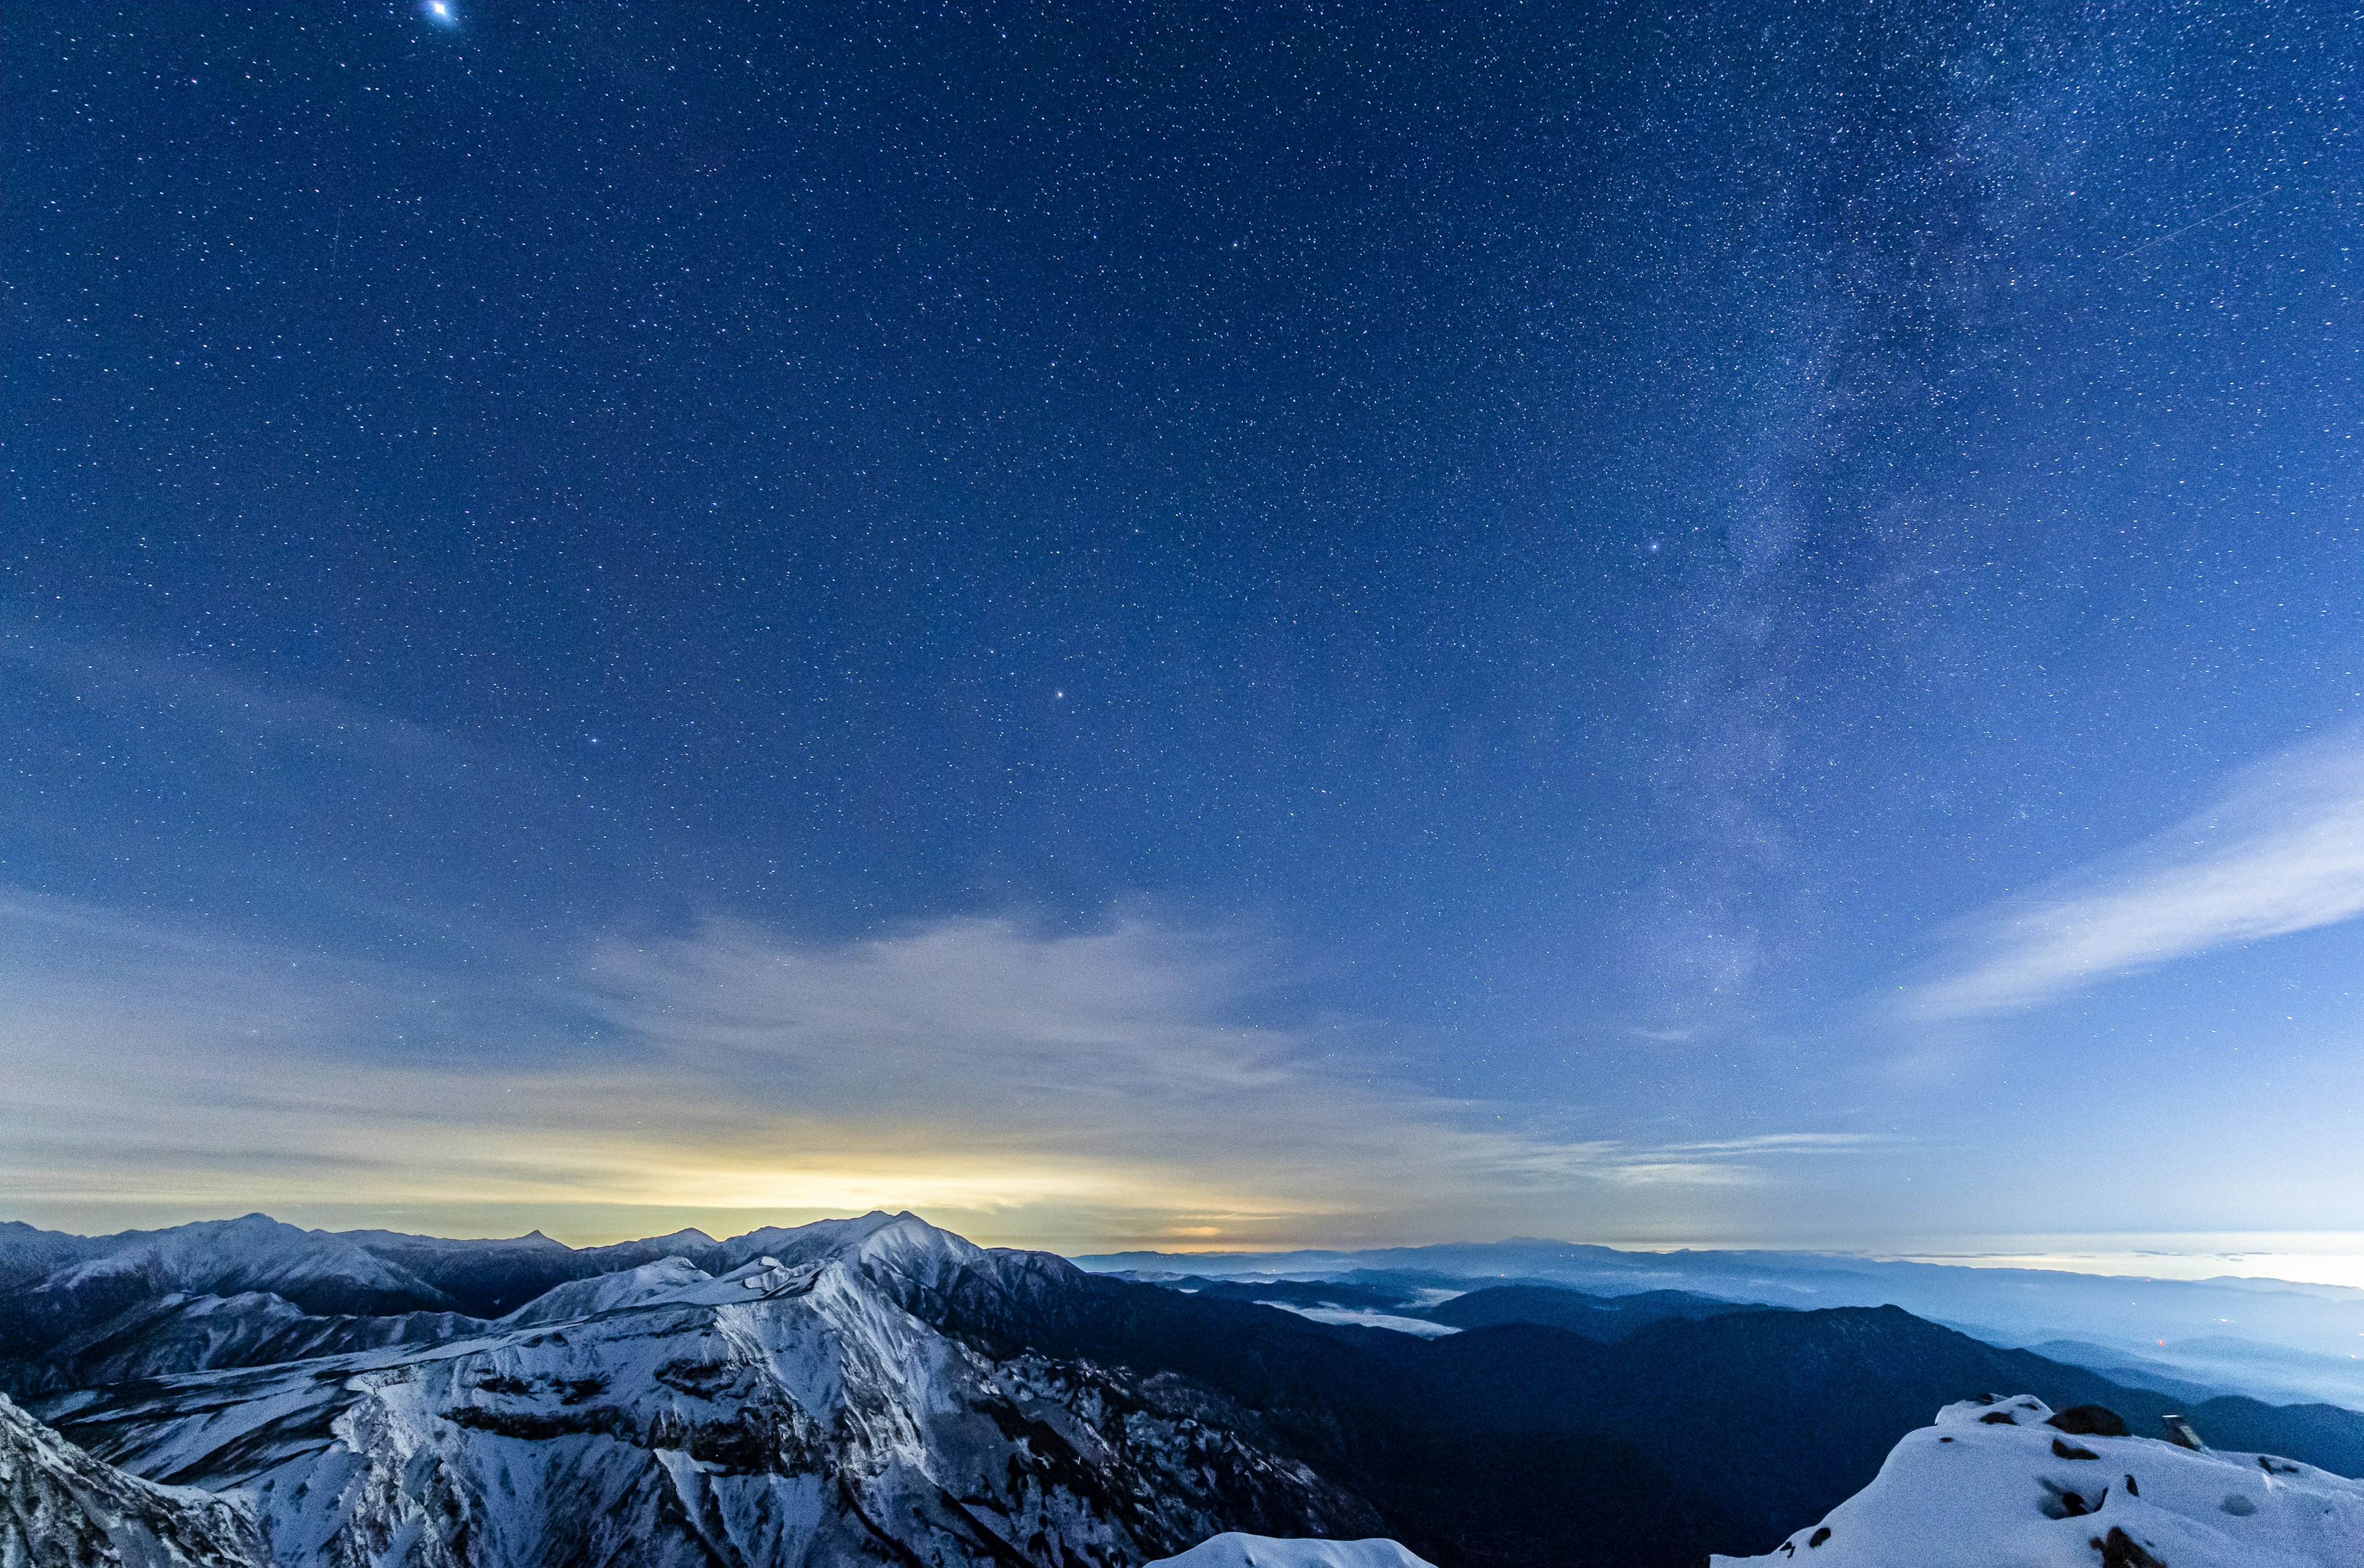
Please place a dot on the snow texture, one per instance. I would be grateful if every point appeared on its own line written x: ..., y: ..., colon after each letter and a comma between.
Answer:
x: 1235, y: 1550
x: 61, y: 1509
x: 1993, y: 1485
x: 254, y: 1254
x: 791, y: 1412
x: 609, y: 1293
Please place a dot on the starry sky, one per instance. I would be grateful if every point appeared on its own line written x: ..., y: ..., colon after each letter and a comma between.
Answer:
x: 1148, y: 625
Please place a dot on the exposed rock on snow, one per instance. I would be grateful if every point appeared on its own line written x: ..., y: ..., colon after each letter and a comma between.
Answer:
x: 1235, y: 1550
x: 1995, y: 1484
x: 2092, y: 1421
x: 61, y: 1509
x: 42, y: 1303
x: 197, y: 1333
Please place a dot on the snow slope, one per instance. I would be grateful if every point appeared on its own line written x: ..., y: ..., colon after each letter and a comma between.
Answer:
x: 61, y: 1509
x: 793, y: 1411
x: 28, y: 1254
x: 609, y: 1293
x: 1993, y: 1485
x: 1236, y: 1550
x: 489, y: 1278
x: 195, y: 1333
x: 225, y: 1257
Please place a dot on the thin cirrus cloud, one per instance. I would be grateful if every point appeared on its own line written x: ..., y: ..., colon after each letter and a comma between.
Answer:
x: 2282, y: 850
x: 1095, y: 1086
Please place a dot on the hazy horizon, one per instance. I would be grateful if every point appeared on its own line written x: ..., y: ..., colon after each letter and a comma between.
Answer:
x: 2326, y: 1258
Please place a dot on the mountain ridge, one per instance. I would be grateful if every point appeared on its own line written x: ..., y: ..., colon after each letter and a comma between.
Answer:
x: 2127, y: 1315
x: 878, y: 1385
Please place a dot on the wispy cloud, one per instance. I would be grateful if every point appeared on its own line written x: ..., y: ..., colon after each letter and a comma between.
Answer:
x: 1102, y: 1083
x: 2281, y: 851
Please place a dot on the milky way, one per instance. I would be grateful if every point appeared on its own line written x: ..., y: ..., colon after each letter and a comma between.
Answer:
x: 1500, y: 585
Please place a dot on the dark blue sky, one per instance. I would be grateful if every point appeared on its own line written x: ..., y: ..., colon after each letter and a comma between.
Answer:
x: 1549, y: 592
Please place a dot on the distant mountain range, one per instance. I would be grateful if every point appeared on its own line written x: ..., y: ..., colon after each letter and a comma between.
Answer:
x: 1409, y: 1303
x: 2271, y: 1339
x: 877, y: 1390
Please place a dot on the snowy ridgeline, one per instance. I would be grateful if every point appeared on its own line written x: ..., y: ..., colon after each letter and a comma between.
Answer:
x: 795, y: 1411
x: 1235, y: 1550
x: 859, y: 1391
x: 2007, y: 1484
x: 61, y: 1509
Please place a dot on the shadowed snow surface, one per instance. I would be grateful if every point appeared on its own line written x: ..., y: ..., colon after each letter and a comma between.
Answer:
x: 61, y: 1509
x: 1235, y: 1550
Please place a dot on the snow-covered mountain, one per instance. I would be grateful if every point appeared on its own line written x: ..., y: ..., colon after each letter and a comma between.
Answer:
x: 28, y: 1252
x: 255, y: 1253
x: 179, y: 1333
x: 2006, y: 1484
x: 54, y: 1286
x: 61, y: 1509
x: 794, y: 1410
x: 609, y: 1293
x: 493, y: 1277
x: 876, y: 1389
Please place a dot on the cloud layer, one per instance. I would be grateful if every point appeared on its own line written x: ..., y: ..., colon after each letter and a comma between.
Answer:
x: 2281, y: 851
x: 1112, y: 1085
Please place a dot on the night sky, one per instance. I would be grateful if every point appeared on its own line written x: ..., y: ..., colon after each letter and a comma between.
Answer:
x: 1284, y: 625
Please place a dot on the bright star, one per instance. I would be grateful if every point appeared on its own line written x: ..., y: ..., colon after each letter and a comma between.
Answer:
x: 441, y: 11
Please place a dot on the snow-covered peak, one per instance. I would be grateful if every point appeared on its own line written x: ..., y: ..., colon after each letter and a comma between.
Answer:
x: 28, y: 1252
x: 666, y: 1278
x: 688, y: 1242
x: 1233, y: 1550
x: 898, y: 1243
x: 682, y: 1413
x: 670, y: 1282
x: 533, y: 1242
x: 912, y: 1247
x: 2006, y: 1484
x: 806, y: 1243
x: 254, y: 1252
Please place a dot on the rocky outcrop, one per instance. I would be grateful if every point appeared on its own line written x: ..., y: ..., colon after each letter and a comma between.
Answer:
x: 61, y: 1509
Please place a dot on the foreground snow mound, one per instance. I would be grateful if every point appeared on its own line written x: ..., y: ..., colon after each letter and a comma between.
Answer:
x: 1235, y: 1550
x: 2004, y: 1483
x: 61, y: 1509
